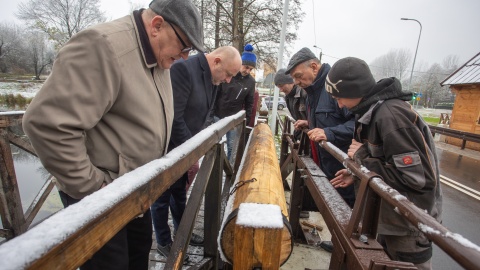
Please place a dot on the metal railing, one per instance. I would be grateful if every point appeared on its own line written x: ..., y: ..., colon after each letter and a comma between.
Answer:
x: 354, y: 232
x: 129, y: 196
x: 464, y: 136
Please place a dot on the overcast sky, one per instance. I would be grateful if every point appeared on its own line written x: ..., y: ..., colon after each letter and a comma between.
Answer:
x: 365, y: 28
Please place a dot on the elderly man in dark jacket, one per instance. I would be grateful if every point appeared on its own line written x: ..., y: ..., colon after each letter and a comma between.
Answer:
x: 325, y: 119
x: 194, y: 83
x: 295, y: 97
x: 392, y: 140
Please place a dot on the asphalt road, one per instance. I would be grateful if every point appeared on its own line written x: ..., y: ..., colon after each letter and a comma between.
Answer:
x: 460, y: 211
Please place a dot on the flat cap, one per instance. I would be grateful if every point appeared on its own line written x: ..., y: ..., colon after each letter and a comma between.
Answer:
x: 282, y: 78
x: 185, y: 15
x: 299, y: 57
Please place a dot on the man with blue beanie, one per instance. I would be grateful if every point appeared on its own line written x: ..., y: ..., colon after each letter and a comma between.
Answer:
x: 237, y: 95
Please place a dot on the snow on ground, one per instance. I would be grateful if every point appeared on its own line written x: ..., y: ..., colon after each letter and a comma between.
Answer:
x: 27, y: 89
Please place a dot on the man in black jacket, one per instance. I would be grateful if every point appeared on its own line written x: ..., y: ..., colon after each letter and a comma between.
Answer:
x: 392, y: 140
x: 194, y: 84
x: 237, y: 95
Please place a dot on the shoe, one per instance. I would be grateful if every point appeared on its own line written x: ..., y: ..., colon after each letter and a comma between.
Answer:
x: 304, y: 214
x: 196, y: 240
x: 165, y: 251
x: 327, y: 246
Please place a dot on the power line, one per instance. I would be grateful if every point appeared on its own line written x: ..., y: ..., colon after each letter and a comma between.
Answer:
x: 385, y: 68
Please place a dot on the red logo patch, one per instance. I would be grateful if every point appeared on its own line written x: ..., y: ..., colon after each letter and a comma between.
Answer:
x: 407, y: 160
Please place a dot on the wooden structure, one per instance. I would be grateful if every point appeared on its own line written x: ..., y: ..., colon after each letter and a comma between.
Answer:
x: 465, y: 83
x: 70, y: 244
x: 259, y: 181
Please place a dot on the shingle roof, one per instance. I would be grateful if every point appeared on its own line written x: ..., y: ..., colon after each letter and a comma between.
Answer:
x: 467, y: 74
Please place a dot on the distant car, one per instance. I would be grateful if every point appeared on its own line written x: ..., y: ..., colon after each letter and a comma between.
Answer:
x: 281, y: 102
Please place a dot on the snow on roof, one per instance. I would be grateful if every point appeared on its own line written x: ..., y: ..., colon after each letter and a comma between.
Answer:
x: 467, y: 74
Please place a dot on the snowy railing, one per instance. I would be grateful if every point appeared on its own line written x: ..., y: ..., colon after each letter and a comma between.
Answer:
x: 71, y: 236
x: 355, y: 231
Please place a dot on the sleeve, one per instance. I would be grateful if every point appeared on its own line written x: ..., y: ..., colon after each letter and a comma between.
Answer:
x: 181, y: 87
x: 341, y: 134
x: 406, y: 150
x: 249, y: 102
x: 82, y: 87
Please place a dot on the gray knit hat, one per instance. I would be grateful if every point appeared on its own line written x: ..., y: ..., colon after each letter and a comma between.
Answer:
x: 349, y: 77
x: 282, y: 78
x: 299, y: 57
x: 185, y: 15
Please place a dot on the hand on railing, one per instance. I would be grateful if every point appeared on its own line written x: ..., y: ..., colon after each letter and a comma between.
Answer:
x: 300, y: 124
x: 317, y: 134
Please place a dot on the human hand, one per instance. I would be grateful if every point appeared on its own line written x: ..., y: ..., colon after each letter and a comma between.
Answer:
x: 299, y: 124
x: 353, y: 148
x: 317, y: 134
x: 342, y: 179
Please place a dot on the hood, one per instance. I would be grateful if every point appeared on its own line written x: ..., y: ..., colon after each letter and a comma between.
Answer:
x: 385, y: 89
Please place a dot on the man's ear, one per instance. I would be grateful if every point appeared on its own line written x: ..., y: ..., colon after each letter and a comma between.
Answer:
x: 157, y: 23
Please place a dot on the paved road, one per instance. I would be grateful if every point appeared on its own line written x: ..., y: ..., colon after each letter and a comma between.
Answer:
x: 460, y: 211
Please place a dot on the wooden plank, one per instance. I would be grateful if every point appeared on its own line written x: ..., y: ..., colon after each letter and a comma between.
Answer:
x: 184, y: 232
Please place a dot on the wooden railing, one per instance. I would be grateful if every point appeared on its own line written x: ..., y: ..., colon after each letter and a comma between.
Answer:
x: 354, y: 232
x: 56, y: 244
x: 14, y: 221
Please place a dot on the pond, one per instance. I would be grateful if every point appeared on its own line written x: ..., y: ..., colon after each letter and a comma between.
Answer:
x: 31, y: 176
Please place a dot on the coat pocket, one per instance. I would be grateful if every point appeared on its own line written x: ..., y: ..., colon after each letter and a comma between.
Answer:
x: 411, y: 169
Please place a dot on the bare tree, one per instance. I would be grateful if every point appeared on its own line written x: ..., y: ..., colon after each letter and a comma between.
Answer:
x: 10, y: 47
x: 40, y: 53
x: 60, y: 19
x: 259, y: 22
x: 392, y: 64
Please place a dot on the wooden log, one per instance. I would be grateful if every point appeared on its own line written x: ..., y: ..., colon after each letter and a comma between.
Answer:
x: 258, y: 181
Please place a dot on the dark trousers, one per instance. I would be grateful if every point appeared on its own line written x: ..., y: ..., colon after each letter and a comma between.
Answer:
x: 128, y: 249
x: 174, y: 198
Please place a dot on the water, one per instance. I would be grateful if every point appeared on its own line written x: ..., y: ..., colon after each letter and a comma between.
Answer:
x: 31, y: 176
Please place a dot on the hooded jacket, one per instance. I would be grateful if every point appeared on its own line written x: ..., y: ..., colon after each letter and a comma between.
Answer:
x: 398, y: 145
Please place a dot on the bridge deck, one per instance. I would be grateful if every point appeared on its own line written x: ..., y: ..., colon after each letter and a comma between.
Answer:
x: 303, y: 255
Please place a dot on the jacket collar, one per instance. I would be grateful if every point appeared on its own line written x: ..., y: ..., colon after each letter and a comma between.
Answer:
x: 142, y: 37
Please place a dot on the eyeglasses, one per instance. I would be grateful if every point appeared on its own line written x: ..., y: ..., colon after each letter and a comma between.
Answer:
x: 185, y: 47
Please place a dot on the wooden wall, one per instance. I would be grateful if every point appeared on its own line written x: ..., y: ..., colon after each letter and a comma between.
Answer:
x: 466, y: 113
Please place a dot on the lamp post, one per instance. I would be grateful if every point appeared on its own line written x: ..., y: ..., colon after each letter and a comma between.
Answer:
x: 415, y: 57
x: 320, y: 55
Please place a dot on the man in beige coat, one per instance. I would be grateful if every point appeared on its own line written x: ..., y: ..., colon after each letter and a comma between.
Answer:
x: 107, y: 108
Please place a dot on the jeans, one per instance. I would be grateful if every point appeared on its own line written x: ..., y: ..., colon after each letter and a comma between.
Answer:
x: 128, y: 249
x: 231, y: 136
x: 174, y: 198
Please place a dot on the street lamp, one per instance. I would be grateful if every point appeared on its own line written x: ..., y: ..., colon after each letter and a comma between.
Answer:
x: 415, y: 57
x: 320, y: 56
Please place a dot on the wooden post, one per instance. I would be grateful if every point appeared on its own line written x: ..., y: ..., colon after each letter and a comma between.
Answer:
x: 258, y: 244
x: 259, y: 181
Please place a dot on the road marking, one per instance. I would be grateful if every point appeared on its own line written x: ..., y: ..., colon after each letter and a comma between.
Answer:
x: 462, y: 188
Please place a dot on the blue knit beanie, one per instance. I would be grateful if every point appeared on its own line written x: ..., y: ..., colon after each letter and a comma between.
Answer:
x: 248, y: 57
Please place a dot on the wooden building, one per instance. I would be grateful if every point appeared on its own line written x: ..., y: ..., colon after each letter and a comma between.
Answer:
x: 465, y: 83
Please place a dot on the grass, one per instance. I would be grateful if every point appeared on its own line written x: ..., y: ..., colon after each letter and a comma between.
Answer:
x: 431, y: 120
